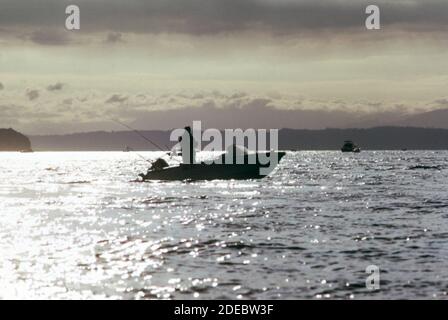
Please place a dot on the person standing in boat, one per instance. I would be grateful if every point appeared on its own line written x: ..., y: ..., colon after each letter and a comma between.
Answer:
x: 188, y: 146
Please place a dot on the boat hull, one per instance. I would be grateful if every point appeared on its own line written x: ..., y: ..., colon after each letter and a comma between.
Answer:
x: 209, y: 171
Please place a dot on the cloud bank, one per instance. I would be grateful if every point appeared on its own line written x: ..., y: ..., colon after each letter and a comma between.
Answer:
x: 198, y: 17
x: 42, y: 114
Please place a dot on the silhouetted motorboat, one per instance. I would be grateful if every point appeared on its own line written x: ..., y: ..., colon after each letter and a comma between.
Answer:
x: 205, y: 171
x: 349, y: 146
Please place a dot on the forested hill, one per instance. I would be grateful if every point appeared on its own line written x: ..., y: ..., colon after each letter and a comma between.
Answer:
x: 11, y: 140
x: 380, y: 138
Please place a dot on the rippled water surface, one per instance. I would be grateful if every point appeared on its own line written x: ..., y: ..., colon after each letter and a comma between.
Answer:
x: 76, y: 225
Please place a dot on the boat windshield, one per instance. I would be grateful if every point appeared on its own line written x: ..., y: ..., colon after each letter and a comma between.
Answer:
x: 237, y: 150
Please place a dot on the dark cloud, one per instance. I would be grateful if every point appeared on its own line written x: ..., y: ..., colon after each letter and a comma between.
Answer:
x: 49, y: 37
x: 441, y: 102
x: 32, y: 94
x: 116, y: 98
x: 238, y: 95
x: 220, y: 16
x: 375, y: 104
x: 55, y: 87
x: 114, y: 37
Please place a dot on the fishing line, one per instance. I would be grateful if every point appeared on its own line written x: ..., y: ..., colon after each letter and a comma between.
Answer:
x: 147, y: 160
x: 141, y: 135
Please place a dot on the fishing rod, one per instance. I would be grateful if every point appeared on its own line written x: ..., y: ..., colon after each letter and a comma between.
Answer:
x: 139, y: 155
x: 141, y: 135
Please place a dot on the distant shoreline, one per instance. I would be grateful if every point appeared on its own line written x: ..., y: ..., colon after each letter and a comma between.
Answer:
x: 378, y: 138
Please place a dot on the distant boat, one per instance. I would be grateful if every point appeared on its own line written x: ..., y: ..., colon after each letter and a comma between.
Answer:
x: 204, y: 171
x: 26, y: 151
x: 350, y: 146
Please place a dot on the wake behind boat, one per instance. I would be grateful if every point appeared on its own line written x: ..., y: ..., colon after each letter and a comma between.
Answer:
x: 203, y: 171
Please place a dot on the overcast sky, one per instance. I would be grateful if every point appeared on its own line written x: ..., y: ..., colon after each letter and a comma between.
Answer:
x: 244, y: 59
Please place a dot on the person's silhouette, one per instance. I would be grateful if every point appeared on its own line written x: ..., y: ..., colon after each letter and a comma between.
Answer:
x: 188, y: 146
